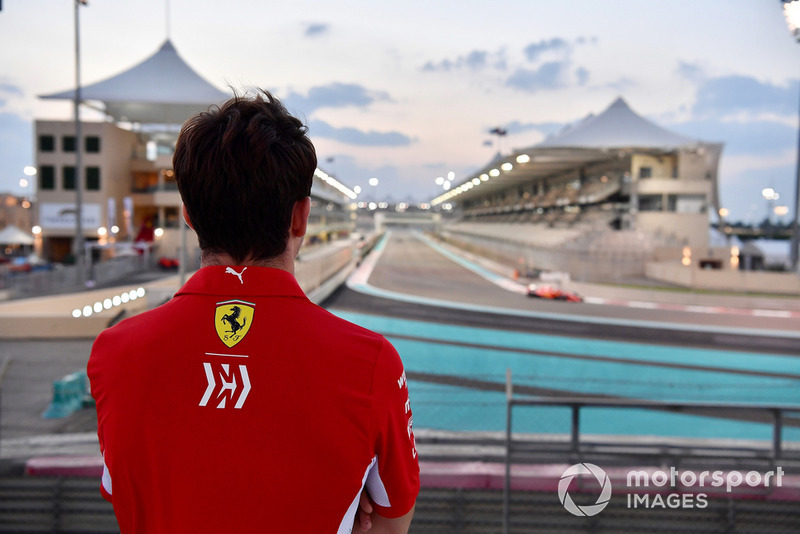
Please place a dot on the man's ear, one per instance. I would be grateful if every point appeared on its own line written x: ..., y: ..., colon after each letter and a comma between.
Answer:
x: 300, y: 213
x: 186, y: 216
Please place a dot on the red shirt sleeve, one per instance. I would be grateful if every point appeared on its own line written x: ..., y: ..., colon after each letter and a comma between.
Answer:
x: 98, y: 364
x: 394, y: 485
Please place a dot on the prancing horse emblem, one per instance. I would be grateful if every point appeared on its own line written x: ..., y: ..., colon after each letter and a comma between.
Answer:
x: 232, y: 320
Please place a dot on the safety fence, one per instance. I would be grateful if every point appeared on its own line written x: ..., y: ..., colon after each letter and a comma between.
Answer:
x: 74, y: 505
x: 65, y: 277
x: 666, y: 486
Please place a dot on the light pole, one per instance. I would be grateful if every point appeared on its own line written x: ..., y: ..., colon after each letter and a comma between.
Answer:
x: 78, y: 251
x: 791, y: 11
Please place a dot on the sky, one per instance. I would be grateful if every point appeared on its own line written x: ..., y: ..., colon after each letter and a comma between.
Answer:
x: 408, y: 91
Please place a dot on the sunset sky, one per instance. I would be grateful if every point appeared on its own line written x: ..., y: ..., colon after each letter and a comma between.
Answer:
x: 408, y: 91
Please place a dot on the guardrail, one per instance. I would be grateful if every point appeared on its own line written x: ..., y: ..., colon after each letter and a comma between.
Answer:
x: 776, y: 413
x: 65, y: 278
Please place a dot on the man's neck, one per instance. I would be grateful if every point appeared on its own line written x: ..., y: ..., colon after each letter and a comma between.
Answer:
x: 284, y: 261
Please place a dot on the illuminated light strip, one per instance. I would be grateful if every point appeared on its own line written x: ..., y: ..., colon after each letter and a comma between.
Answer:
x: 108, y: 303
x: 478, y: 180
x: 330, y: 180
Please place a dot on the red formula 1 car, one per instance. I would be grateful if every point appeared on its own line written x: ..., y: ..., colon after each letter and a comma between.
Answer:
x: 543, y: 291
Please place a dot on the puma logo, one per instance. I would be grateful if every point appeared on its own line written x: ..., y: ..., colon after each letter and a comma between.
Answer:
x: 230, y: 270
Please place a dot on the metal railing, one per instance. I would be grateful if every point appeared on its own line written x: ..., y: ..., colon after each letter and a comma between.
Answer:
x: 775, y: 413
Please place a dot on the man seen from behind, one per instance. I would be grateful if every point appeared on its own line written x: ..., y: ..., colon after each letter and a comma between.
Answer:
x: 239, y: 405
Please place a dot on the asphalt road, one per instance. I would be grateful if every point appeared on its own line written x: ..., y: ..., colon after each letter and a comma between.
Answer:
x: 410, y: 266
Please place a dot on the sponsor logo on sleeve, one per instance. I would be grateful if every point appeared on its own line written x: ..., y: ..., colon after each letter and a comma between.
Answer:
x: 402, y: 383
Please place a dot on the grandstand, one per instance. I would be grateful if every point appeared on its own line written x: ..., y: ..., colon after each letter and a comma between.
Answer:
x: 599, y: 199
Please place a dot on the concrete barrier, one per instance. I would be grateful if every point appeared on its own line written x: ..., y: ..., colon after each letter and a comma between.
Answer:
x: 52, y: 316
x: 732, y: 280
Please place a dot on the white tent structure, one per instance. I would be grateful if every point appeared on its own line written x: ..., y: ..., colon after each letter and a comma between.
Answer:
x: 162, y: 89
x: 11, y: 235
x: 617, y: 127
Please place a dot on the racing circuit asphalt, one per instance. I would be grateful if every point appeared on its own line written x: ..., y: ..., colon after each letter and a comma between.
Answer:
x: 410, y: 266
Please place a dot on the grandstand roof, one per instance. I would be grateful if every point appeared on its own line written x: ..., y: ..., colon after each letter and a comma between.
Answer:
x: 617, y: 127
x: 608, y: 136
x: 162, y: 89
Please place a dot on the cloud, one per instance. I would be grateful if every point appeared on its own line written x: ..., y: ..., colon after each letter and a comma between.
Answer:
x: 728, y: 95
x: 550, y: 75
x: 353, y: 136
x: 475, y: 60
x: 561, y: 47
x: 10, y: 89
x: 335, y: 95
x: 534, y: 50
x: 553, y: 74
x: 315, y: 30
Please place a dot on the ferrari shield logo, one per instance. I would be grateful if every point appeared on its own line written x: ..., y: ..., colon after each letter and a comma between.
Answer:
x: 232, y: 320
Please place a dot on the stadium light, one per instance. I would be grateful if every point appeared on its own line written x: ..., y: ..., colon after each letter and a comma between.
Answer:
x: 791, y: 11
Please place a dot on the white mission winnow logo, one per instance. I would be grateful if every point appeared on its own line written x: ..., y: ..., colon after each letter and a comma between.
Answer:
x: 226, y: 383
x: 584, y: 469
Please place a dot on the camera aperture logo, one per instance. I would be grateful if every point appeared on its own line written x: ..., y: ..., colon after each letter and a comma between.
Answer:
x: 586, y: 510
x: 651, y: 489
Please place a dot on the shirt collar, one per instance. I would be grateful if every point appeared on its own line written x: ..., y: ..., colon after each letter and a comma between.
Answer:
x: 232, y: 281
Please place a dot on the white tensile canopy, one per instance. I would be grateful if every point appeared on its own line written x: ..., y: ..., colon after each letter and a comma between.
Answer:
x: 11, y: 235
x: 162, y: 89
x: 617, y: 127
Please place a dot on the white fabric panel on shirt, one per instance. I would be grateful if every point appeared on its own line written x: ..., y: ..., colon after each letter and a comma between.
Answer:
x: 346, y: 526
x: 106, y: 479
x: 376, y: 489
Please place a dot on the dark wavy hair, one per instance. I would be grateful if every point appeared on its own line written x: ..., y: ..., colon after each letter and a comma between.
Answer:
x: 240, y: 168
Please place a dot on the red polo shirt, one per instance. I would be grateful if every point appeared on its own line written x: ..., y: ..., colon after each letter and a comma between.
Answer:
x: 240, y: 406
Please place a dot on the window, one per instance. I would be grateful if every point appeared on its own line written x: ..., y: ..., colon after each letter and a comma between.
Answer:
x: 47, y: 143
x: 93, y: 178
x: 47, y: 177
x: 68, y: 143
x: 645, y: 172
x: 69, y: 178
x: 690, y: 204
x: 650, y: 203
x: 92, y: 144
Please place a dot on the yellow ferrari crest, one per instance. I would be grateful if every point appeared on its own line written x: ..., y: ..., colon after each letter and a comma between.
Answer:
x: 232, y: 320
